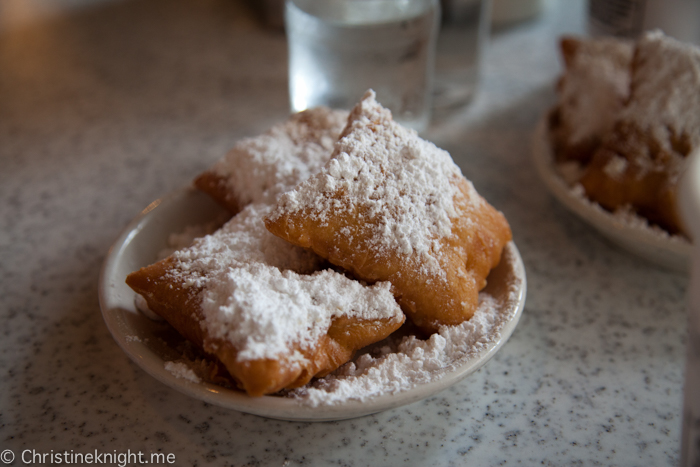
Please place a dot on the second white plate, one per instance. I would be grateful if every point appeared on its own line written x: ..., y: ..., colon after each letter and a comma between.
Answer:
x: 649, y: 242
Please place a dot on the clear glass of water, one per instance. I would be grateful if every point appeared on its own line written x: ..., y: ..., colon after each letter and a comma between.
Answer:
x: 340, y: 48
x: 464, y: 30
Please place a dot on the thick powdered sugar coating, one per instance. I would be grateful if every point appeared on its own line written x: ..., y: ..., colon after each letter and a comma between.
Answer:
x: 404, y: 363
x: 263, y: 311
x: 598, y: 69
x: 665, y: 88
x: 665, y: 98
x: 258, y: 169
x: 242, y: 240
x: 410, y: 362
x: 400, y: 181
x: 259, y: 295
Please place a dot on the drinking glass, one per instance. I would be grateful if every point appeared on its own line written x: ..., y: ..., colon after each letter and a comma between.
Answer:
x: 464, y: 31
x: 338, y: 49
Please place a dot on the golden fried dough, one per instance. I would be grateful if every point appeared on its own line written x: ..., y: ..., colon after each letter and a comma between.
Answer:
x: 245, y: 297
x: 642, y: 158
x: 391, y: 206
x: 259, y: 168
x: 592, y: 89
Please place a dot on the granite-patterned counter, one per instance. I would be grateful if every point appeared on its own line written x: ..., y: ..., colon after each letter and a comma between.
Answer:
x: 107, y: 107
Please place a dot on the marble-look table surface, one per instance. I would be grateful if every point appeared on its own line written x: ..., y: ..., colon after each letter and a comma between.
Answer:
x: 107, y: 107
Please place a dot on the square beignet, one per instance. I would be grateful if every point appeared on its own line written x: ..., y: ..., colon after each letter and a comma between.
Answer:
x: 260, y: 168
x: 641, y: 159
x: 390, y: 206
x: 263, y: 308
x: 591, y: 91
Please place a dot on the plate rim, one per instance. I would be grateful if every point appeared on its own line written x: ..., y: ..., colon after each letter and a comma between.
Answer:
x: 672, y: 253
x: 271, y: 406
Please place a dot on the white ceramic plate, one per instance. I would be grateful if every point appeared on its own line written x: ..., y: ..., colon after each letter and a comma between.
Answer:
x: 638, y: 237
x: 152, y: 343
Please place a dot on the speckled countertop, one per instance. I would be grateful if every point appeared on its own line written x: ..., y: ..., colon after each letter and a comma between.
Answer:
x: 105, y: 108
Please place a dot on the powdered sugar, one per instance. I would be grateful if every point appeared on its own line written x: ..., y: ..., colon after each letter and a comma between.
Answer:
x: 185, y: 238
x: 181, y: 370
x: 263, y: 311
x: 651, y: 133
x: 624, y: 227
x: 563, y: 178
x: 626, y: 216
x: 404, y: 363
x: 598, y: 69
x: 267, y: 297
x: 616, y: 166
x: 665, y: 98
x: 242, y: 240
x: 397, y: 364
x: 258, y: 169
x: 264, y: 295
x: 399, y: 182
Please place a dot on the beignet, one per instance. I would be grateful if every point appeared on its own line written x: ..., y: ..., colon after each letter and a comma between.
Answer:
x: 642, y: 158
x: 390, y: 206
x: 260, y: 168
x: 592, y: 90
x: 261, y: 306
